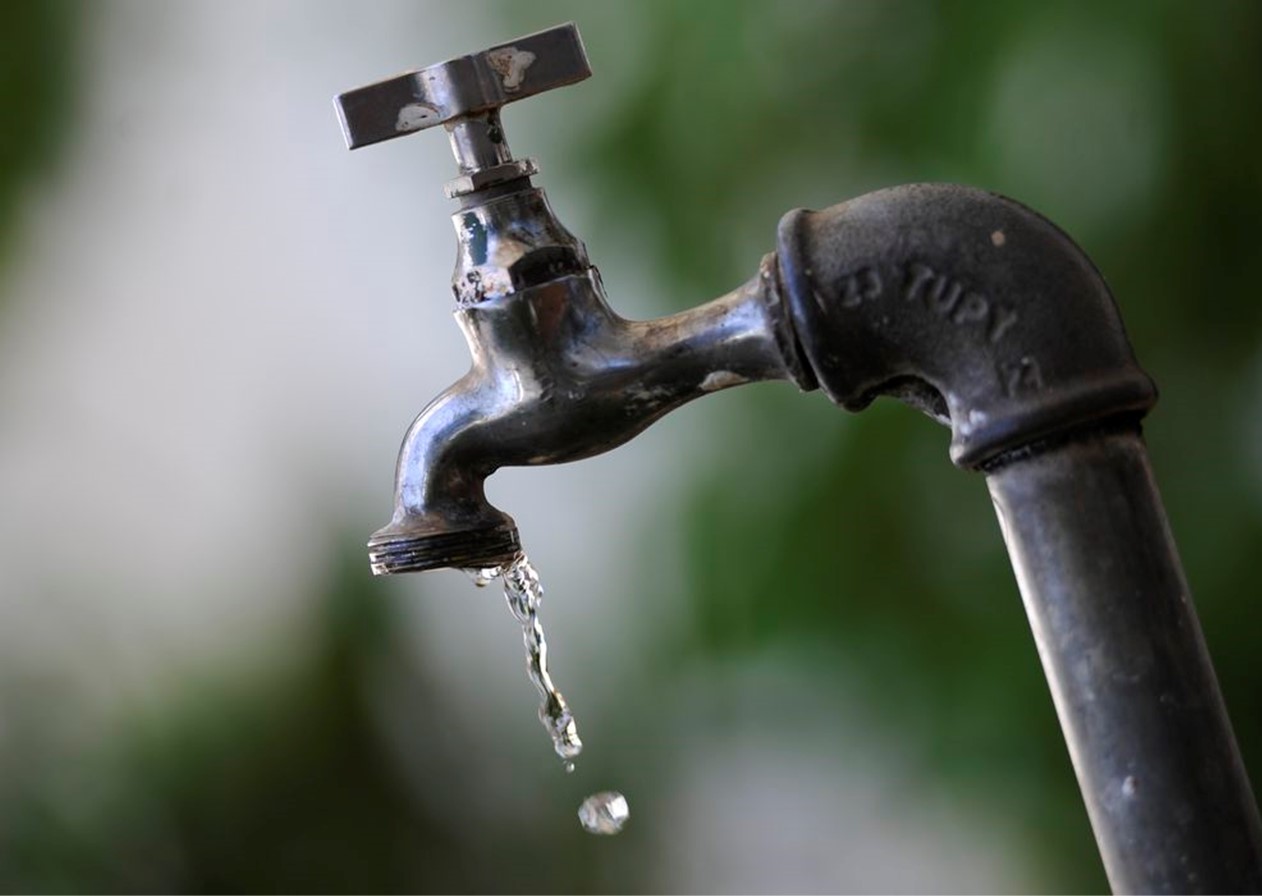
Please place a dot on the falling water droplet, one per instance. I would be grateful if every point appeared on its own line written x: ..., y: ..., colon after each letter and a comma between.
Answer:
x: 604, y: 813
x: 483, y: 577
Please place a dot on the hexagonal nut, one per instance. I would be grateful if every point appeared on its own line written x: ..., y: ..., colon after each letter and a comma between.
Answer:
x: 473, y: 181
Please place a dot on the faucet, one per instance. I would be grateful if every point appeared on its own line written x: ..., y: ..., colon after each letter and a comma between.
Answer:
x: 964, y: 304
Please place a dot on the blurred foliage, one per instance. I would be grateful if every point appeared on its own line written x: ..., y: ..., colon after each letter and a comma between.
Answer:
x: 264, y: 782
x: 1134, y: 125
x: 37, y: 65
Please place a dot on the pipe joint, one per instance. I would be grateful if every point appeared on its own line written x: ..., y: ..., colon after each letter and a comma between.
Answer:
x: 965, y: 304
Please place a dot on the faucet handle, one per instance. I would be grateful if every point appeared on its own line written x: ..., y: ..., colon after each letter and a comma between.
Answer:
x: 462, y: 88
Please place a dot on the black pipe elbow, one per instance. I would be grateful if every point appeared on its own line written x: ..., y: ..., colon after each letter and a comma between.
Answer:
x: 965, y: 304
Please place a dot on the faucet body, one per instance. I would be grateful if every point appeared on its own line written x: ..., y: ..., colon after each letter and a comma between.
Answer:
x: 556, y: 376
x: 966, y: 305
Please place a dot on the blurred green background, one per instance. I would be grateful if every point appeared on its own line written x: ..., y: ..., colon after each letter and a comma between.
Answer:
x: 806, y: 598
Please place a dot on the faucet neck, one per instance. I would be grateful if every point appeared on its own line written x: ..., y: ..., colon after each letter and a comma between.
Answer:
x: 478, y: 142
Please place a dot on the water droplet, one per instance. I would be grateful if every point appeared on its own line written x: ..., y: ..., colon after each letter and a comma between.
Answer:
x: 604, y: 813
x: 483, y: 577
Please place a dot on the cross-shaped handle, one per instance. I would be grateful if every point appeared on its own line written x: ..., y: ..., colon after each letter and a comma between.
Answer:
x: 464, y: 87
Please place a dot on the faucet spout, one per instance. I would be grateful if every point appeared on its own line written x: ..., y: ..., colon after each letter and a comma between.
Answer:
x: 558, y: 376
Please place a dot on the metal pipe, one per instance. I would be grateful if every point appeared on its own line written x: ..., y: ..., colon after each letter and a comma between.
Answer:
x: 990, y: 319
x: 1164, y: 785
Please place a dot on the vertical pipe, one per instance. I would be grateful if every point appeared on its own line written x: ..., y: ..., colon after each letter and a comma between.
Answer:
x: 1119, y: 640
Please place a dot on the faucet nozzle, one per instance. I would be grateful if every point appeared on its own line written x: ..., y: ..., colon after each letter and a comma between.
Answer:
x: 416, y: 548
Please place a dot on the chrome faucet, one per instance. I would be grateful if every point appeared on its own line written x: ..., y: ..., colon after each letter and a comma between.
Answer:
x: 964, y: 304
x: 556, y: 374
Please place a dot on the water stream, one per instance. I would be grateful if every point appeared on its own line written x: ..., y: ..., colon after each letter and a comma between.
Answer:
x: 600, y: 813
